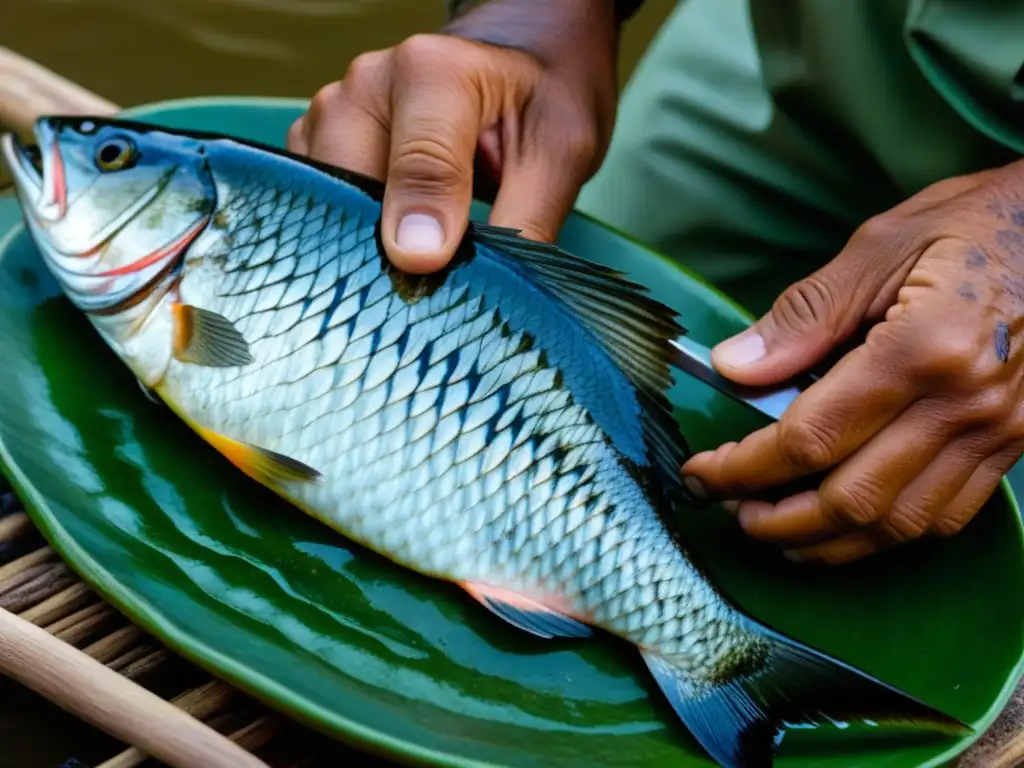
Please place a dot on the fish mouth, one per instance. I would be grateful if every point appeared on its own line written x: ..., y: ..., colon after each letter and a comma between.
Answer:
x: 26, y: 164
x: 41, y: 184
x: 39, y: 173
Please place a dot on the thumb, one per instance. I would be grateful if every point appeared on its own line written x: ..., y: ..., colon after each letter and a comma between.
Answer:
x: 805, y: 323
x: 435, y: 125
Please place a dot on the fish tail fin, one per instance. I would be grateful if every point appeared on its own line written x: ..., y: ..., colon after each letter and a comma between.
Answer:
x: 738, y: 722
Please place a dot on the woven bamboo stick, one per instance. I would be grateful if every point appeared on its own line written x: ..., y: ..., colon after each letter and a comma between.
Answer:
x: 86, y: 688
x: 28, y: 90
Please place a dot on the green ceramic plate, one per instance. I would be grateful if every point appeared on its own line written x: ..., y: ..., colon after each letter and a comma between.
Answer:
x: 238, y: 581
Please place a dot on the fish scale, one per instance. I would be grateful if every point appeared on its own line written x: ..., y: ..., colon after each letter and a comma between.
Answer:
x: 502, y: 424
x: 450, y: 420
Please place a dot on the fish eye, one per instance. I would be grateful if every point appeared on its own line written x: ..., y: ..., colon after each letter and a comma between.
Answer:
x: 115, y: 154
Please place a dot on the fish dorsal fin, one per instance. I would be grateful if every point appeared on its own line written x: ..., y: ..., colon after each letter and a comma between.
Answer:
x: 633, y: 328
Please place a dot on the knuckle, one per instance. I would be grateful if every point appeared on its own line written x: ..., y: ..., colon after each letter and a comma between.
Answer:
x: 908, y: 521
x: 806, y: 445
x: 1013, y: 427
x: 992, y: 407
x: 363, y: 69
x: 425, y: 49
x: 944, y: 356
x: 427, y: 165
x: 810, y: 301
x: 858, y: 502
x: 324, y: 100
x: 881, y: 228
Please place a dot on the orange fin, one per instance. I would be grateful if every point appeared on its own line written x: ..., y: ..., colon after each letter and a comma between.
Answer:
x: 527, y: 614
x: 262, y: 465
x: 202, y: 337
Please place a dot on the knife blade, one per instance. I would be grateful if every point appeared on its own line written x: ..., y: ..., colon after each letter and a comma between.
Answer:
x: 694, y: 358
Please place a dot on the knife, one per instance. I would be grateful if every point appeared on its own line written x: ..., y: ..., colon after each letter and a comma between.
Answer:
x: 772, y: 401
x: 695, y: 359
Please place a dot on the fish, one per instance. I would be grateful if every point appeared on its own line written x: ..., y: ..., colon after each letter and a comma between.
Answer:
x: 501, y: 424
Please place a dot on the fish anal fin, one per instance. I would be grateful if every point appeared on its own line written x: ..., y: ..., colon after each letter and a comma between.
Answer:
x: 739, y: 721
x: 262, y: 465
x: 149, y: 393
x: 202, y: 337
x: 527, y: 614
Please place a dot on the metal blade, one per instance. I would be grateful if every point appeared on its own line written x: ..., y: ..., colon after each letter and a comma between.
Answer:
x: 695, y: 359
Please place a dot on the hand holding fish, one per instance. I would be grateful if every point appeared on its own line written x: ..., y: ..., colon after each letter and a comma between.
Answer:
x: 526, y: 88
x: 917, y: 424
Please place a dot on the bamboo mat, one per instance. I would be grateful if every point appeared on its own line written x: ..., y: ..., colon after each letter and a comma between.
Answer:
x: 38, y: 586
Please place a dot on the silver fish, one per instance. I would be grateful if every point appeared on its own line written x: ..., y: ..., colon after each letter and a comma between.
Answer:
x: 501, y: 425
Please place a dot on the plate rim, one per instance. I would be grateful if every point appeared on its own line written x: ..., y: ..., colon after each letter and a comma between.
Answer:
x: 246, y: 678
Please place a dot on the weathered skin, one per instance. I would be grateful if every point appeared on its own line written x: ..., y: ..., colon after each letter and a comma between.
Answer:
x: 486, y: 425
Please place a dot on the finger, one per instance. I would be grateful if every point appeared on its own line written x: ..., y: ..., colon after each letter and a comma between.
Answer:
x: 838, y: 414
x: 346, y: 125
x: 296, y: 138
x: 941, y: 500
x: 977, y: 490
x: 815, y: 315
x: 862, y: 490
x: 842, y: 550
x: 920, y: 504
x: 545, y: 166
x: 693, y: 484
x: 437, y: 115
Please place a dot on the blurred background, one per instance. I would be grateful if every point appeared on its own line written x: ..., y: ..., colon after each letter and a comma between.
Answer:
x: 136, y: 51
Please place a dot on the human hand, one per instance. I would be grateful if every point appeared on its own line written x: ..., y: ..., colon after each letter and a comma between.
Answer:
x: 526, y: 86
x: 916, y: 425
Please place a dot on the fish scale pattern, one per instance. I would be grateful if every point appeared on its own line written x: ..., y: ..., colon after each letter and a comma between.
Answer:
x: 445, y: 439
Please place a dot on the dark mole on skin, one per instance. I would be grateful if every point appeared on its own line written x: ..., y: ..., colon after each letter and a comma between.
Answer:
x: 1012, y: 241
x: 1018, y: 218
x: 976, y: 258
x: 1003, y: 341
x: 966, y: 291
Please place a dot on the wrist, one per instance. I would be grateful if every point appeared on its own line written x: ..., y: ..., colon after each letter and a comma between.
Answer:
x: 622, y: 10
x: 585, y: 31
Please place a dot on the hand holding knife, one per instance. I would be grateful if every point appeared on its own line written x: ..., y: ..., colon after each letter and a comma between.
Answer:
x: 694, y: 358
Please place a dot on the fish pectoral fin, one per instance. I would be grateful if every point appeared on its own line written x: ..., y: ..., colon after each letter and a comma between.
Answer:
x: 262, y: 465
x: 202, y: 337
x: 527, y: 614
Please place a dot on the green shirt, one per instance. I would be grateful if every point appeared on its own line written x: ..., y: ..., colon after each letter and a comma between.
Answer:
x: 756, y: 135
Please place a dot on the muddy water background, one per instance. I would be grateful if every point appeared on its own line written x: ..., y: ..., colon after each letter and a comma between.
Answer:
x: 138, y: 51
x: 134, y: 51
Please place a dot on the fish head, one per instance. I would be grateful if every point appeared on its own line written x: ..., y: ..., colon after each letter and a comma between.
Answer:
x: 113, y: 207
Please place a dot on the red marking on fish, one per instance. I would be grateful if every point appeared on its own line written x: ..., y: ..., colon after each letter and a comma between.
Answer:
x: 57, y: 189
x: 173, y: 249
